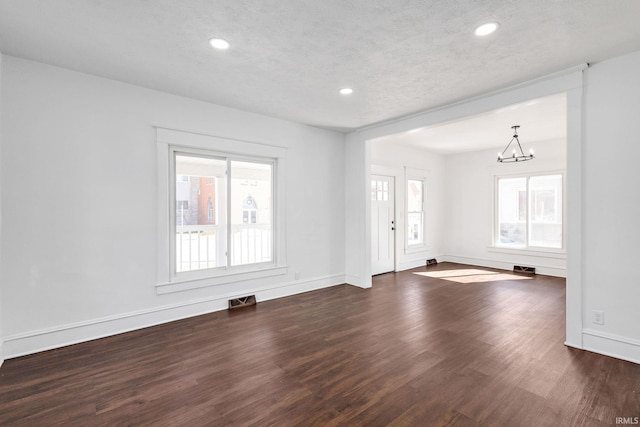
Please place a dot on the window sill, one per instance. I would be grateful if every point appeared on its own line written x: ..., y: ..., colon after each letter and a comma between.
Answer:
x: 416, y: 249
x: 185, y: 284
x: 543, y: 253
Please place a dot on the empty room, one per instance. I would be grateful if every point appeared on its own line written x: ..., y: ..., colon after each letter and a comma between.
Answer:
x: 319, y: 213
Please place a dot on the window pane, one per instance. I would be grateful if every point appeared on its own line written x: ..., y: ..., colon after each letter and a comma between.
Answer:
x: 545, y: 211
x: 512, y: 212
x: 415, y: 217
x: 200, y: 214
x: 414, y: 196
x: 251, y: 213
x: 522, y: 205
x: 414, y: 230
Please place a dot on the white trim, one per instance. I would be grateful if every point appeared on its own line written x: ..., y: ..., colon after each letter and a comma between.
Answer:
x: 548, y: 81
x: 204, y: 282
x: 73, y: 333
x: 414, y: 263
x: 225, y: 144
x: 573, y: 214
x: 352, y: 280
x: 611, y: 345
x: 417, y: 249
x: 501, y: 265
x: 163, y: 231
x: 422, y: 176
x: 395, y: 171
x: 168, y: 141
x: 541, y: 253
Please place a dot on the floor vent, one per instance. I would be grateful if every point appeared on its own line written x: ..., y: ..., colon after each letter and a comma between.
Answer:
x: 523, y: 269
x: 242, y: 302
x: 431, y: 261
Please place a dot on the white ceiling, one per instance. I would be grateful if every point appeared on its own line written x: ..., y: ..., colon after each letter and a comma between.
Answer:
x: 289, y: 58
x: 542, y: 119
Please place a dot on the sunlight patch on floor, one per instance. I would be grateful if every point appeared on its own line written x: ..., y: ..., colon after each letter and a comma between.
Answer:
x: 471, y: 275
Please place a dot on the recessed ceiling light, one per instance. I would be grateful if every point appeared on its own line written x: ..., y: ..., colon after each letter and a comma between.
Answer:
x: 486, y: 29
x: 346, y: 91
x: 218, y: 43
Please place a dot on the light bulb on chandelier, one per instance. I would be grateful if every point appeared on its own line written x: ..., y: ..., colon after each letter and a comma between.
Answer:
x: 515, y: 156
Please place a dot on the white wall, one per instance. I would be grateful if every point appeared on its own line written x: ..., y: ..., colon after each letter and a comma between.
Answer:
x: 76, y: 143
x: 357, y: 216
x: 394, y: 160
x: 1, y: 333
x: 80, y: 206
x: 611, y: 233
x: 469, y: 207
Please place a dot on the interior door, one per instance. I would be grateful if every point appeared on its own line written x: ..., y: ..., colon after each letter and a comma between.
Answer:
x: 382, y: 224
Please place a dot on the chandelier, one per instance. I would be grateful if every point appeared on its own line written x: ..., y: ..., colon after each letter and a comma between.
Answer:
x: 515, y: 155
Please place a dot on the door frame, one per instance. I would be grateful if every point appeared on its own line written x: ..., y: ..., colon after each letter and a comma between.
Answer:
x: 396, y: 173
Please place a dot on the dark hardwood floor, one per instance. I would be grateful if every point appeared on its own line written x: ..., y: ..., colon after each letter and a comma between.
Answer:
x: 470, y: 349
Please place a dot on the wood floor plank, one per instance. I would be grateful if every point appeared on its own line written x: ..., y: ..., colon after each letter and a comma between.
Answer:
x: 448, y: 345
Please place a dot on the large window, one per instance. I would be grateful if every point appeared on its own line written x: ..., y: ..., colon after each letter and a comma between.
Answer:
x: 212, y: 227
x: 208, y: 233
x: 529, y: 212
x: 415, y: 212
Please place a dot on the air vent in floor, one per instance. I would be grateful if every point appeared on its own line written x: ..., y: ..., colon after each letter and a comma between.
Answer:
x: 242, y: 302
x: 431, y: 261
x: 523, y: 269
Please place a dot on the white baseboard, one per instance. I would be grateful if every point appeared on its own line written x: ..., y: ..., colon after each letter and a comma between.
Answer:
x: 352, y: 280
x: 611, y: 345
x: 408, y: 265
x: 73, y: 333
x: 540, y: 269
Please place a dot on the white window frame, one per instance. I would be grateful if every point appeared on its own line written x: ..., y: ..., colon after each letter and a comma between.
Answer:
x: 421, y: 245
x: 228, y: 159
x: 171, y: 141
x: 533, y: 250
x: 414, y: 175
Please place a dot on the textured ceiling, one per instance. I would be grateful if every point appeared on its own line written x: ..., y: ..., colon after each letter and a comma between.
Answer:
x: 289, y: 58
x: 542, y: 119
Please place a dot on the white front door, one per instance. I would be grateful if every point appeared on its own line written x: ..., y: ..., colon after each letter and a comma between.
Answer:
x: 382, y: 224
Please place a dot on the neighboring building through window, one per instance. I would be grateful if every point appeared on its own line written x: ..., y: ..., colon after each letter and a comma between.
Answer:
x: 210, y: 210
x: 249, y: 211
x: 529, y: 211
